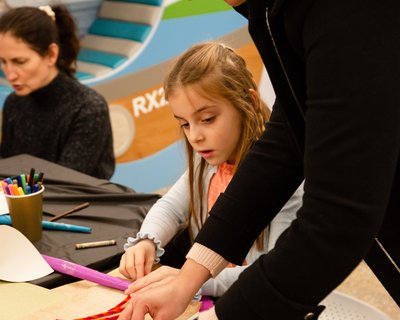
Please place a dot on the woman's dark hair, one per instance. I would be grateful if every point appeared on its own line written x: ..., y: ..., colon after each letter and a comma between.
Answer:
x: 38, y: 29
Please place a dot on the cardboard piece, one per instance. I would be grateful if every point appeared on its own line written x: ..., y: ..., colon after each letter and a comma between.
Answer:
x: 20, y: 261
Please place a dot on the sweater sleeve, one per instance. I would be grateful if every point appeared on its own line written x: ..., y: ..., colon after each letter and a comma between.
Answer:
x: 167, y: 215
x: 350, y: 160
x: 217, y: 286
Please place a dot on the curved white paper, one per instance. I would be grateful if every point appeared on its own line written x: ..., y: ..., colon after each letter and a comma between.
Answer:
x: 19, y: 259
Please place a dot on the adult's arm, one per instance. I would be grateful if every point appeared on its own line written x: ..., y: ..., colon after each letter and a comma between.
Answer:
x: 219, y: 285
x: 264, y: 182
x: 351, y: 154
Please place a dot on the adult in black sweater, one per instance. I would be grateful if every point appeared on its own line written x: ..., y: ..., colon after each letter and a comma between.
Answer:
x: 50, y: 114
x: 335, y: 68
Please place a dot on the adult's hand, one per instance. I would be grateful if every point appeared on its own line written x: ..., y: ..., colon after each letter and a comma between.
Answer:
x: 160, y: 276
x: 165, y: 297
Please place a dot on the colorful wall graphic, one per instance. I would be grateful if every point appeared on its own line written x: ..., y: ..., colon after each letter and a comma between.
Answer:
x: 127, y: 67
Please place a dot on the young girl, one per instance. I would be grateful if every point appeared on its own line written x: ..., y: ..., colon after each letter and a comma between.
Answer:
x: 50, y: 114
x: 213, y: 96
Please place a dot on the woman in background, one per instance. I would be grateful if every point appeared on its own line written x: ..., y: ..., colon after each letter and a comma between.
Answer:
x: 50, y: 114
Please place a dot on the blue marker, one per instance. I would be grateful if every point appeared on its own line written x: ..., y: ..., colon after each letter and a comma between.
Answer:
x: 19, y: 181
x: 6, y: 219
x: 64, y: 226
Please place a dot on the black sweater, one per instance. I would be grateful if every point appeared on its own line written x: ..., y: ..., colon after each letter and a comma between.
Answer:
x: 342, y: 62
x: 64, y: 122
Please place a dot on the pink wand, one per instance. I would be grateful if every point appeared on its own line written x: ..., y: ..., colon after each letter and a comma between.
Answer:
x: 86, y: 273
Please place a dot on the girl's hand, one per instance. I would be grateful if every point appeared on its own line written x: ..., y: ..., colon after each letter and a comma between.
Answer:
x: 138, y: 260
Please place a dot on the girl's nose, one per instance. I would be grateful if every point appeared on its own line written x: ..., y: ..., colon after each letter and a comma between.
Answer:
x: 195, y: 134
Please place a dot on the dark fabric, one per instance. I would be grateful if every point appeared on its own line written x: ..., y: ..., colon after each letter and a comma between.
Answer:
x: 115, y: 212
x: 350, y: 161
x: 65, y: 122
x: 176, y: 250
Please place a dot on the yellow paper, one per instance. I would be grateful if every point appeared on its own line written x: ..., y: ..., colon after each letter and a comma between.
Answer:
x: 20, y: 300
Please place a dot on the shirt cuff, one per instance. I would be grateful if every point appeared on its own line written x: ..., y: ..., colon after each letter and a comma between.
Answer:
x: 142, y: 236
x: 209, y: 259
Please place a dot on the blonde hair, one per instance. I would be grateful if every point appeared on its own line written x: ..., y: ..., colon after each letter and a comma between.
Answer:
x: 218, y: 71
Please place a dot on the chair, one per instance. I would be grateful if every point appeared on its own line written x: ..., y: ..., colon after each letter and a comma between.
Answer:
x: 340, y: 306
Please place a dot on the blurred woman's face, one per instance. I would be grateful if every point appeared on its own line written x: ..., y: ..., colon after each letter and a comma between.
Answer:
x: 24, y: 68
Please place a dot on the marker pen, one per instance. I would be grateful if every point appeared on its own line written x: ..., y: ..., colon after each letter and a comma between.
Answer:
x: 23, y: 182
x: 65, y: 227
x: 6, y: 219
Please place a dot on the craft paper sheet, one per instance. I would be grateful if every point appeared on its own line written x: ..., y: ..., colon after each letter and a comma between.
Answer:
x: 19, y: 301
x: 20, y: 261
x: 3, y: 204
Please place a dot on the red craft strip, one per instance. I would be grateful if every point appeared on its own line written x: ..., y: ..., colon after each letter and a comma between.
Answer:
x: 111, y: 314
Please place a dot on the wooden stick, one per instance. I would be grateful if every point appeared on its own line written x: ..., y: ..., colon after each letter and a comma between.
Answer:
x: 77, y: 208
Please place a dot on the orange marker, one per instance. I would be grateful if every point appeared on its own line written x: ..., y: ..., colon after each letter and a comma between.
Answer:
x: 15, y: 189
x: 3, y: 186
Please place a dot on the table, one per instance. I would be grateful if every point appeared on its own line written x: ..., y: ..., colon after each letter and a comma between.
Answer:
x: 86, y: 298
x: 115, y: 212
x: 72, y: 301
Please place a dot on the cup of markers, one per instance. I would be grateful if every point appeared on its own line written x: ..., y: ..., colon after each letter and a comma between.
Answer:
x: 24, y: 196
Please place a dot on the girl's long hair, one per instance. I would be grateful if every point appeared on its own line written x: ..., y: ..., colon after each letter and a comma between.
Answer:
x: 216, y: 70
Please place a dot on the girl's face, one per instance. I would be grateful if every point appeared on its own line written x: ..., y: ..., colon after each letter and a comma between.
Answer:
x: 23, y: 67
x: 211, y: 125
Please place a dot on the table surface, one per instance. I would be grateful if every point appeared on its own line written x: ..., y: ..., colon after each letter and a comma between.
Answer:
x: 112, y: 204
x: 84, y: 298
x: 115, y: 212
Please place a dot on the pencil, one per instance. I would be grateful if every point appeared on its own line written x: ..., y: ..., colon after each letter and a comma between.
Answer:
x: 77, y: 208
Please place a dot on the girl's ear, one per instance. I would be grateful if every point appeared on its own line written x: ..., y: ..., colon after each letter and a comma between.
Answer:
x: 53, y: 53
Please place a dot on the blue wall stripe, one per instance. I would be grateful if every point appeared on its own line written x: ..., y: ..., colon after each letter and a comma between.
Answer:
x: 154, y: 172
x: 120, y: 29
x: 100, y: 57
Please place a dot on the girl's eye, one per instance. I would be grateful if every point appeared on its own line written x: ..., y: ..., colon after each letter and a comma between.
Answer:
x: 208, y: 120
x: 184, y: 125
